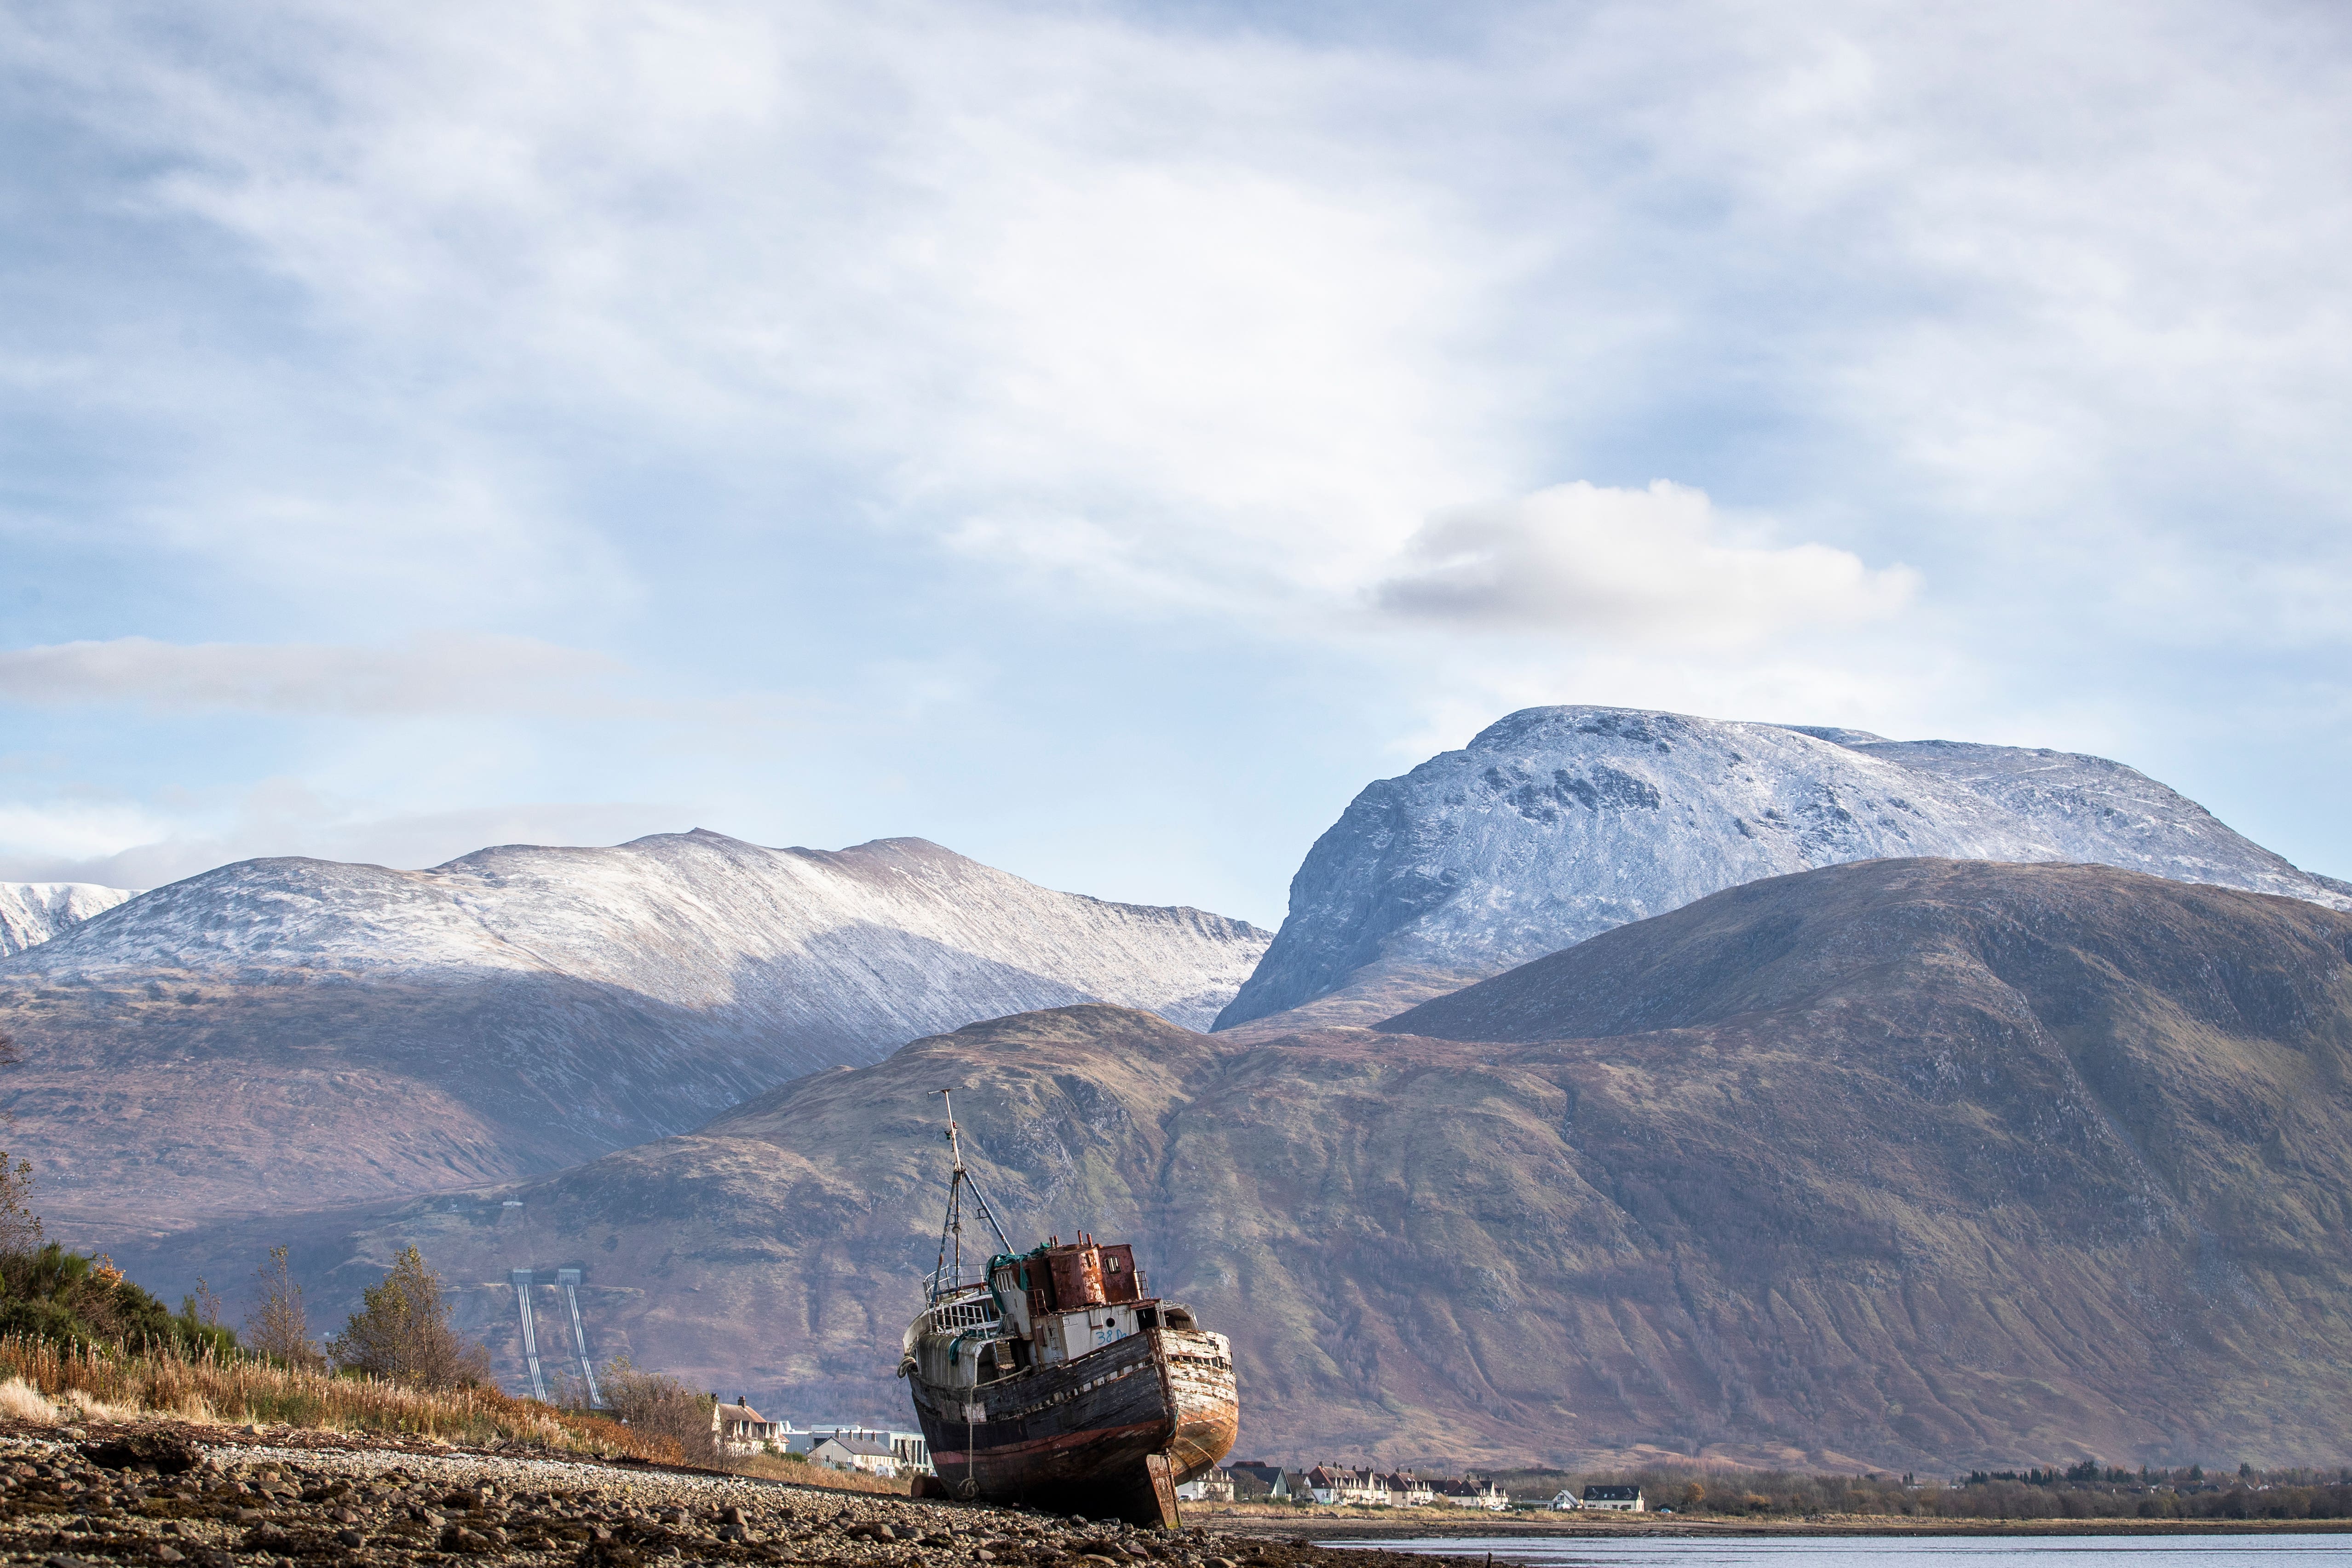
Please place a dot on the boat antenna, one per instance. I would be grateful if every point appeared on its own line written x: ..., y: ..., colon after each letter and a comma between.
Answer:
x: 951, y: 1263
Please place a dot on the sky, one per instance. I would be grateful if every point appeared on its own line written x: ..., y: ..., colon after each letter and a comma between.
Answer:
x: 1101, y: 438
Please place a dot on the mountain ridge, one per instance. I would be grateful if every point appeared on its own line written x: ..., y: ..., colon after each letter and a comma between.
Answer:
x: 1557, y: 823
x: 32, y: 913
x: 528, y: 1007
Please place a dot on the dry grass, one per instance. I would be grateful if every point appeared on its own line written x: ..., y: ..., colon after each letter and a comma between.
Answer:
x: 106, y: 1385
x: 20, y: 1401
x: 82, y: 1406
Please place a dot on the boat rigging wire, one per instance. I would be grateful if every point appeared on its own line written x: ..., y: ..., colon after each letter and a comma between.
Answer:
x: 949, y: 1271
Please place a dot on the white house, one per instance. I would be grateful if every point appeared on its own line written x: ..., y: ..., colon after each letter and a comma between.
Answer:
x: 913, y: 1453
x: 914, y: 1450
x: 1619, y: 1500
x: 1281, y: 1484
x: 856, y: 1454
x: 1409, y: 1490
x: 1331, y: 1485
x: 738, y: 1428
x: 1217, y: 1486
x: 1470, y: 1492
x: 1563, y: 1498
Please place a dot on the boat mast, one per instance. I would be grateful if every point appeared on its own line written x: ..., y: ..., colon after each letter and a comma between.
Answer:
x: 949, y: 1270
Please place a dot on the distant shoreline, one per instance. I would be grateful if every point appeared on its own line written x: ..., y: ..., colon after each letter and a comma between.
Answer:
x: 1321, y: 1531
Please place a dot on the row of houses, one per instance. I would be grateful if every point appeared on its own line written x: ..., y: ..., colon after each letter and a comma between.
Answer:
x: 1337, y: 1485
x: 890, y: 1452
x: 884, y: 1451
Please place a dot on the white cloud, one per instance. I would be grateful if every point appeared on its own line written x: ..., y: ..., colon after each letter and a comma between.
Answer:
x: 450, y: 673
x: 1590, y: 562
x: 1018, y: 270
x: 1216, y: 317
x: 125, y: 846
x: 58, y: 841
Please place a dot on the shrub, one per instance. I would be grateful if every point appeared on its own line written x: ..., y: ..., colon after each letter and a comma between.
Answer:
x: 49, y: 1293
x: 660, y: 1406
x: 402, y: 1331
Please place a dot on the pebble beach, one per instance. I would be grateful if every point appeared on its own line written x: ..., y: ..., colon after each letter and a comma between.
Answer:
x: 278, y: 1499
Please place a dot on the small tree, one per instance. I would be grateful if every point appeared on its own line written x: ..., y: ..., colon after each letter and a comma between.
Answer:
x: 199, y: 1326
x: 402, y: 1331
x: 660, y: 1406
x: 566, y: 1389
x: 20, y: 1228
x: 277, y: 1327
x: 201, y: 1306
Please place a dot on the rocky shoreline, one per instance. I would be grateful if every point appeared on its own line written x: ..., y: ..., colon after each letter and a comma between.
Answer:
x: 209, y: 1497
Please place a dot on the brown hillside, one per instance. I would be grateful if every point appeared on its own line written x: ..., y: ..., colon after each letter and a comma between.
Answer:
x: 1903, y: 1163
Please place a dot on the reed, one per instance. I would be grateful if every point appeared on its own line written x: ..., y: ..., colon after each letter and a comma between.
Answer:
x: 233, y: 1389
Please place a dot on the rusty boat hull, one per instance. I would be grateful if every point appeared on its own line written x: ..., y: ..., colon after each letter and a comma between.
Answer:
x: 1108, y: 1434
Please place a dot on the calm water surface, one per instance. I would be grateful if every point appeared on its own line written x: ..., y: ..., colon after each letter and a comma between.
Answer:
x: 1882, y: 1552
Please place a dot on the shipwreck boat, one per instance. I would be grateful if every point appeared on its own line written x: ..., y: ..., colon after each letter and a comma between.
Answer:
x: 1057, y: 1380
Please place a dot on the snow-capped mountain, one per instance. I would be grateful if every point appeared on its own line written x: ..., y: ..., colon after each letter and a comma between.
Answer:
x: 33, y: 912
x: 526, y: 1007
x: 868, y: 946
x: 1557, y: 823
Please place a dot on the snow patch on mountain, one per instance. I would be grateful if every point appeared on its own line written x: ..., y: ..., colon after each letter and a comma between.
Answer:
x: 880, y: 943
x: 32, y: 913
x: 1557, y: 823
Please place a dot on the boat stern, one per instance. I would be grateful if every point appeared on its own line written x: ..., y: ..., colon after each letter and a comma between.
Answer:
x: 1197, y: 1370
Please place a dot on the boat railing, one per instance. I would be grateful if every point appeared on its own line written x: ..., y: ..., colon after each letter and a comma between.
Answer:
x: 965, y: 1314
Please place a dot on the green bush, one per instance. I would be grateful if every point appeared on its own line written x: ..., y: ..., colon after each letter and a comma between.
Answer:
x: 49, y: 1293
